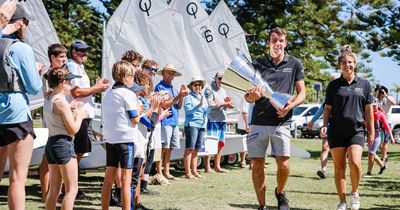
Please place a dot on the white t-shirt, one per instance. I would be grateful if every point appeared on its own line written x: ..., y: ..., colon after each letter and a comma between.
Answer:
x: 386, y: 106
x: 117, y: 126
x: 82, y: 82
x: 243, y: 109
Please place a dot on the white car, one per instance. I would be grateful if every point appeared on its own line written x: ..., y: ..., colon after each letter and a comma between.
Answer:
x: 302, y: 114
x: 395, y: 123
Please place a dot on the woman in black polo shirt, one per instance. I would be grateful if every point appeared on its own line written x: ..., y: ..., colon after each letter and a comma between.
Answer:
x: 348, y: 104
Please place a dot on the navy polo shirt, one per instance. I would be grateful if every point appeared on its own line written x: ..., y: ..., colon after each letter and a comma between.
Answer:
x: 281, y: 78
x: 172, y: 119
x: 348, y: 103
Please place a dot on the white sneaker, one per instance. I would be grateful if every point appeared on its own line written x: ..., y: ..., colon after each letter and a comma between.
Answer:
x: 342, y: 206
x: 355, y: 201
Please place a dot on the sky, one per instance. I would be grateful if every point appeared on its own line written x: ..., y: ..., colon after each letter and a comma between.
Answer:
x: 385, y: 70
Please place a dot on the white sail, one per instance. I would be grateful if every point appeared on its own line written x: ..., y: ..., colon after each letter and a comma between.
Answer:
x: 231, y: 33
x: 206, y: 47
x: 153, y: 30
x: 39, y: 36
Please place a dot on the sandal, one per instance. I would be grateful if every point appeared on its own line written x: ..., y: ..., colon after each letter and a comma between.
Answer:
x: 190, y: 176
x: 198, y: 176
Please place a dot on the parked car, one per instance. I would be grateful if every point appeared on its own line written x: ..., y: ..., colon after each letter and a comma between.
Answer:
x: 302, y: 114
x: 314, y: 131
x: 395, y: 123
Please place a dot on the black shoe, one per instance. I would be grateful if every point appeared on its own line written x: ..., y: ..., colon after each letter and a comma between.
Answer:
x: 145, y: 191
x: 283, y: 202
x: 321, y: 174
x: 80, y: 195
x: 141, y: 207
x: 382, y: 170
x: 262, y: 208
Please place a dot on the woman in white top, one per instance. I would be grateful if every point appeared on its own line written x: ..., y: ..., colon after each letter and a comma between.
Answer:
x: 63, y: 120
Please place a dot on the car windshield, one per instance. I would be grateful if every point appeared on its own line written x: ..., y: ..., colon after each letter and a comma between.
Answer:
x: 298, y: 110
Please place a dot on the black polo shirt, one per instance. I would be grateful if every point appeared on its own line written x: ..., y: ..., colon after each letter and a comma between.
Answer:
x: 282, y: 79
x: 348, y: 104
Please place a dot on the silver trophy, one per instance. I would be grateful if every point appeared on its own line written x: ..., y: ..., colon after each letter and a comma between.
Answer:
x: 241, y: 76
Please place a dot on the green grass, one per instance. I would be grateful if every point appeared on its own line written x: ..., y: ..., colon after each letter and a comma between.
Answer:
x: 234, y: 190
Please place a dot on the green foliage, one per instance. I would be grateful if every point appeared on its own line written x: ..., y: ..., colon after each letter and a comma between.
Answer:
x: 78, y: 20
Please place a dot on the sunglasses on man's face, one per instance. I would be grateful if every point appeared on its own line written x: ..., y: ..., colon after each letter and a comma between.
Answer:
x: 26, y: 21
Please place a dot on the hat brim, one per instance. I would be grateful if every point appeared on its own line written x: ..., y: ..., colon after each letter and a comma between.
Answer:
x: 176, y: 73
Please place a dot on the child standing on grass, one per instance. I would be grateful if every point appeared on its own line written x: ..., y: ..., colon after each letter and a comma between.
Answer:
x: 379, y: 123
x: 63, y: 120
x: 121, y: 114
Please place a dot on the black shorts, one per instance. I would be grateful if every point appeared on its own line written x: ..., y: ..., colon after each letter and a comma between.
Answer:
x: 121, y: 154
x: 340, y: 139
x: 241, y: 132
x: 83, y: 139
x: 10, y: 133
x: 59, y: 149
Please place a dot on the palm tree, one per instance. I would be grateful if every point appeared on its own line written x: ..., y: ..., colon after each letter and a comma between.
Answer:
x: 396, y: 89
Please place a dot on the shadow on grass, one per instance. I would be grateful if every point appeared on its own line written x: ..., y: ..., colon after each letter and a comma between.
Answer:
x: 254, y: 206
x: 315, y: 193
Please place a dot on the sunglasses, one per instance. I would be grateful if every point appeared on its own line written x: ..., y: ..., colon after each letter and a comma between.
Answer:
x: 219, y: 78
x: 197, y: 85
x: 26, y: 21
x: 151, y: 69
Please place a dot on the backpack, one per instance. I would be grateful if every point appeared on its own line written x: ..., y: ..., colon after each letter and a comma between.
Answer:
x: 9, y: 78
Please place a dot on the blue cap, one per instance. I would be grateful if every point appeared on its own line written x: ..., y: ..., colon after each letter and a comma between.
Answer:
x: 79, y: 44
x: 136, y: 88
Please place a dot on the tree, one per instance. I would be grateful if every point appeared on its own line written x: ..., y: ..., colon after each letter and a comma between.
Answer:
x: 377, y: 23
x: 78, y: 20
x: 396, y: 89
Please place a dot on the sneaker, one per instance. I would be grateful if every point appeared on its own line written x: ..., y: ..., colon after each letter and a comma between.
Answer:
x: 262, y: 208
x: 367, y: 175
x: 355, y: 201
x: 141, y: 207
x: 283, y: 202
x: 146, y: 191
x: 321, y: 174
x: 382, y: 169
x: 342, y: 206
x: 80, y: 195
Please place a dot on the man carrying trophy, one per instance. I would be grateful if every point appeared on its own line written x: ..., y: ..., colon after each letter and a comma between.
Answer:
x: 274, y: 76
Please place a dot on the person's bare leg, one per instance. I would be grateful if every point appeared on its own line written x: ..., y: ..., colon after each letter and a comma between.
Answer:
x: 44, y: 177
x: 378, y: 161
x: 109, y: 177
x: 126, y: 178
x: 354, y: 154
x: 217, y: 159
x: 193, y: 164
x: 19, y: 154
x: 166, y: 163
x: 54, y: 189
x: 384, y: 148
x: 324, y: 154
x: 118, y: 178
x: 258, y: 178
x: 3, y: 160
x: 69, y: 173
x: 187, y: 157
x: 138, y: 186
x: 282, y: 174
x: 242, y: 158
x: 207, y: 164
x: 339, y: 164
x: 371, y: 158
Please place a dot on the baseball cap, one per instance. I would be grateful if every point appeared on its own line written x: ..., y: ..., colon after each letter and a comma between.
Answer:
x: 80, y: 44
x: 70, y: 76
x: 21, y: 12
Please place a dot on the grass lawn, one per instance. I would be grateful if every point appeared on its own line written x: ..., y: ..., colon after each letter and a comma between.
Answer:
x: 234, y: 190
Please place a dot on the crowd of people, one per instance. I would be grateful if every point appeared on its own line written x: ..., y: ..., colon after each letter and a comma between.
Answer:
x: 139, y: 117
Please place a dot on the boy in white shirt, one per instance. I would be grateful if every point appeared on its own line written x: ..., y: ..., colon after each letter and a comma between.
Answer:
x: 121, y: 114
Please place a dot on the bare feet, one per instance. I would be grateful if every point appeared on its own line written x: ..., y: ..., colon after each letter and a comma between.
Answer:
x: 220, y: 170
x: 209, y: 170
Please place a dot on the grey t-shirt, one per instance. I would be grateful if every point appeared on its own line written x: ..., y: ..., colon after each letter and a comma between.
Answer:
x: 214, y: 98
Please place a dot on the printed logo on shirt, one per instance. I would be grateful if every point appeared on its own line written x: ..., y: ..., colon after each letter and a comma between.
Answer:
x: 287, y: 70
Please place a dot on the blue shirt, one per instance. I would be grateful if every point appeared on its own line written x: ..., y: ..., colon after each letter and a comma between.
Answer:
x: 172, y: 119
x: 194, y: 115
x: 14, y: 106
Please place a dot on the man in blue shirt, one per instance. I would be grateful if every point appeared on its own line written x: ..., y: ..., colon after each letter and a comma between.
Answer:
x: 169, y: 125
x: 16, y: 127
